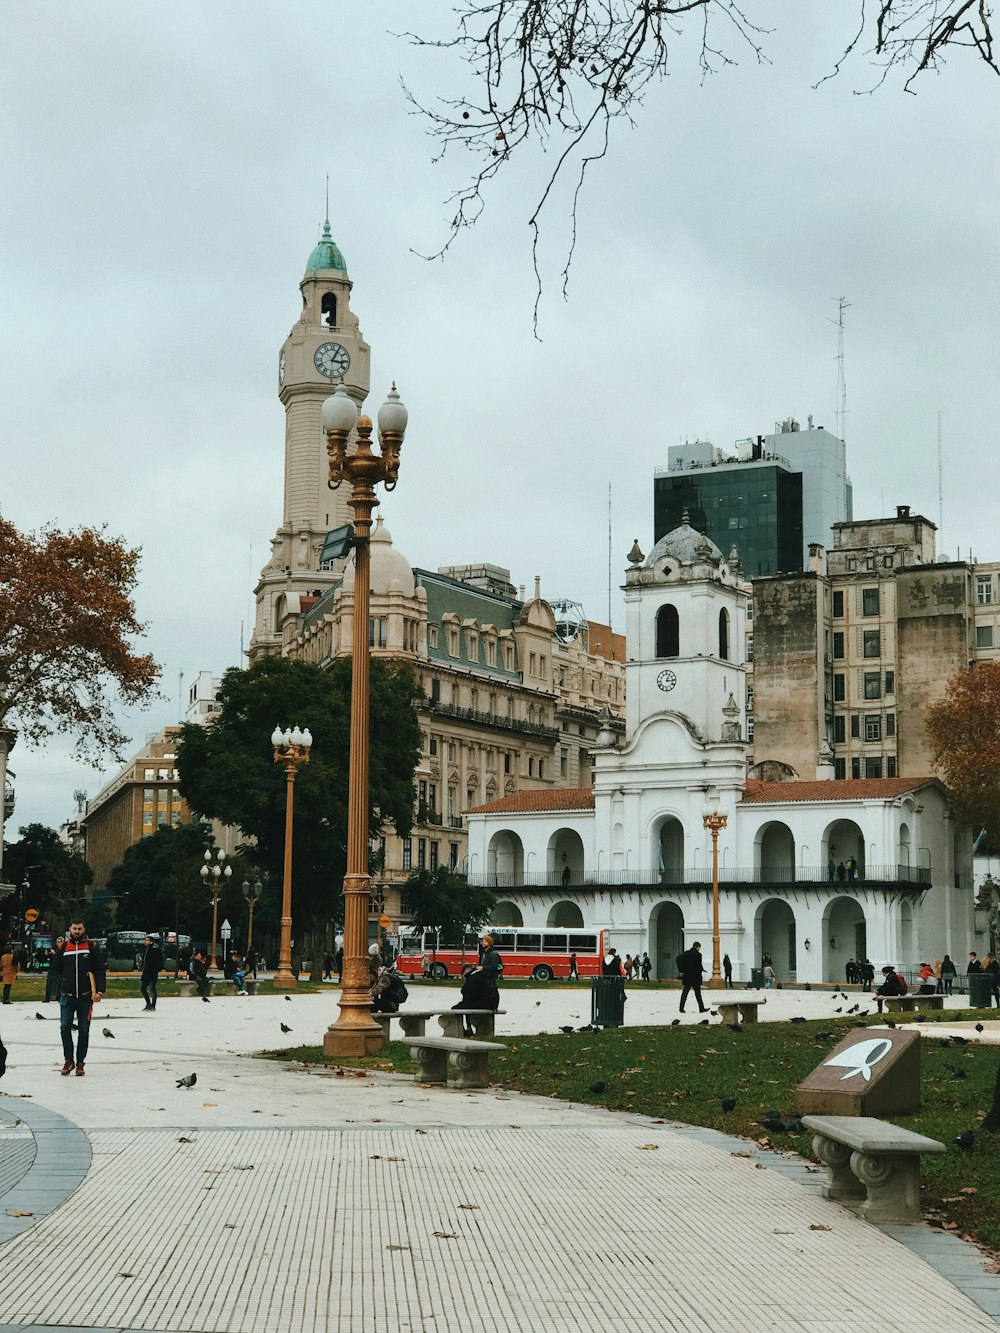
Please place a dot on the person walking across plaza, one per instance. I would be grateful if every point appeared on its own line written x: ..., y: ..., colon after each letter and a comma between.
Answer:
x: 152, y: 966
x: 867, y: 973
x: 83, y: 982
x: 646, y: 966
x: 727, y: 971
x: 690, y: 968
x: 574, y: 971
x: 8, y: 970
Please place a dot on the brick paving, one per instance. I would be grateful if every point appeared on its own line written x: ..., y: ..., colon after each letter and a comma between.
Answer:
x: 307, y: 1201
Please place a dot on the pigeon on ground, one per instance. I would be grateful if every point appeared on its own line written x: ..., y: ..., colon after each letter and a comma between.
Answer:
x: 537, y: 1003
x: 3, y: 1059
x: 956, y: 1072
x: 38, y: 1015
x: 674, y: 1022
x: 945, y: 1043
x: 285, y: 1027
x: 561, y: 1029
x: 587, y: 1027
x: 960, y: 1041
x: 864, y: 1013
x: 839, y: 1011
x: 733, y: 1027
x: 703, y: 1023
x: 979, y: 1027
x: 798, y: 1019
x: 773, y: 1126
x: 890, y: 1024
x: 728, y: 1103
x: 288, y: 998
x: 854, y: 1008
x: 714, y: 1013
x: 597, y: 1086
x: 965, y: 1140
x: 106, y: 1032
x: 795, y: 1126
x: 188, y: 1082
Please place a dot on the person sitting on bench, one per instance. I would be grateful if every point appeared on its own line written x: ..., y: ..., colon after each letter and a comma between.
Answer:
x: 893, y: 984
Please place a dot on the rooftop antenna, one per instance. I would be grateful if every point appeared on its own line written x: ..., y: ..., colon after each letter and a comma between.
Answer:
x: 327, y: 214
x: 940, y: 483
x: 842, y: 305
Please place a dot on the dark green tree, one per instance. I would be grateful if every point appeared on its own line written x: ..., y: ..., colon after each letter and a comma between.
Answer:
x: 228, y: 770
x: 443, y: 901
x: 52, y: 878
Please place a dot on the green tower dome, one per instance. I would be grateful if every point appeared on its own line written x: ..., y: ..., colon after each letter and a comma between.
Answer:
x: 327, y: 253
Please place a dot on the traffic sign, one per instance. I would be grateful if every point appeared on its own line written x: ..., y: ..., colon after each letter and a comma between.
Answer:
x: 226, y: 930
x: 31, y: 915
x: 385, y: 922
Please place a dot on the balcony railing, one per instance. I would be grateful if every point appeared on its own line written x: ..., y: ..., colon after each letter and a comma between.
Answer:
x: 729, y: 876
x: 492, y: 720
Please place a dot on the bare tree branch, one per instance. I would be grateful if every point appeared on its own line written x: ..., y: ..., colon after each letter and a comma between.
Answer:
x: 565, y: 70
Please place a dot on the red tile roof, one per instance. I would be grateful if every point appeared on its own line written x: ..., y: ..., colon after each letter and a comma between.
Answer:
x: 855, y: 789
x: 537, y: 802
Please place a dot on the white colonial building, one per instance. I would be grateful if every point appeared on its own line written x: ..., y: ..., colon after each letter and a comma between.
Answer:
x: 631, y: 852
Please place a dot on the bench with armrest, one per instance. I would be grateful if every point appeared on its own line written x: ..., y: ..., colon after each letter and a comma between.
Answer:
x: 906, y: 1004
x: 872, y: 1160
x: 452, y: 1021
x: 731, y: 1011
x: 467, y: 1059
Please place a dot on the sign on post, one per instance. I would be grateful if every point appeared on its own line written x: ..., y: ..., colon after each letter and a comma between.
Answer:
x: 31, y: 915
x: 226, y: 930
x: 385, y: 922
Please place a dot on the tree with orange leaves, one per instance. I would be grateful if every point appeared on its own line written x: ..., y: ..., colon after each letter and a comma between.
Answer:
x: 964, y: 732
x: 66, y: 621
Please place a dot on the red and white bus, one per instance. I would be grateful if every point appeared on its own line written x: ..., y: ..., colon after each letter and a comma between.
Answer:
x: 526, y: 952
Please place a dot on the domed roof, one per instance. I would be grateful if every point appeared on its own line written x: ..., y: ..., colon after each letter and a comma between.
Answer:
x: 389, y: 570
x: 685, y: 545
x: 327, y: 252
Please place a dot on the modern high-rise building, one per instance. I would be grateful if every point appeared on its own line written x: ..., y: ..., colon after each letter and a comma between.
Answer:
x: 769, y: 499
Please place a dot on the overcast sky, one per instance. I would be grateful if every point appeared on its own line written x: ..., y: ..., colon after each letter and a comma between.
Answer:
x: 163, y: 185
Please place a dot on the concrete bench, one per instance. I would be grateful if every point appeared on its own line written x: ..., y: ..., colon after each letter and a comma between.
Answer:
x: 414, y: 1021
x: 185, y: 988
x: 906, y: 1004
x: 731, y: 1011
x: 468, y: 1060
x: 872, y: 1160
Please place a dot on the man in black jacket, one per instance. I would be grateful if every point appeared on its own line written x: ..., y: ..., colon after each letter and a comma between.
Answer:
x: 152, y: 966
x: 690, y: 968
x: 82, y: 984
x: 892, y: 984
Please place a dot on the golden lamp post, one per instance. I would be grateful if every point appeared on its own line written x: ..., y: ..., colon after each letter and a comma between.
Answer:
x: 715, y: 822
x: 214, y: 877
x: 251, y: 896
x: 291, y: 748
x: 355, y: 1032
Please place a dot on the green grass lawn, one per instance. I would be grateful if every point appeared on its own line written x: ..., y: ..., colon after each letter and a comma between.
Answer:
x: 30, y: 987
x: 682, y: 1073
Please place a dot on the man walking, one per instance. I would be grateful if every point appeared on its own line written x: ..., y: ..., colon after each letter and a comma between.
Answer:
x: 152, y: 966
x: 690, y: 968
x: 82, y: 985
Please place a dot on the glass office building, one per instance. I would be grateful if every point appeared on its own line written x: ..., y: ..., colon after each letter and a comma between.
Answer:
x: 754, y: 505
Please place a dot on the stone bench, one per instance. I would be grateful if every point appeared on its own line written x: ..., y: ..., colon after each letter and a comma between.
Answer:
x: 185, y: 989
x: 467, y: 1059
x: 452, y: 1021
x: 906, y: 1004
x: 731, y: 1011
x: 872, y: 1160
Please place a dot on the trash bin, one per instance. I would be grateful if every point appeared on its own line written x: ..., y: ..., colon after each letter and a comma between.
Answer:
x: 607, y: 1002
x: 980, y: 990
x: 757, y: 978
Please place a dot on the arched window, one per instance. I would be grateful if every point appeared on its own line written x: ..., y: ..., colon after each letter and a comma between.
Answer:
x: 724, y: 634
x: 667, y: 632
x: 329, y: 309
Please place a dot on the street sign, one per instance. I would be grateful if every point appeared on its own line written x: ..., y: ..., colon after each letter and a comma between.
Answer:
x: 385, y: 922
x: 226, y: 930
x: 31, y: 915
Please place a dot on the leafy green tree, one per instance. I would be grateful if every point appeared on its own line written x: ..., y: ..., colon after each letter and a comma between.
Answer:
x: 443, y: 901
x: 53, y: 878
x: 157, y: 884
x: 228, y: 770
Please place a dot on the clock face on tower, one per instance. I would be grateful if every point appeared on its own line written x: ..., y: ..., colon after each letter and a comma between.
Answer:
x: 666, y: 680
x: 332, y: 360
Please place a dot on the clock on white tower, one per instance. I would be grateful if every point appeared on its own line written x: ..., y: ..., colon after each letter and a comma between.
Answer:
x: 666, y: 680
x: 332, y: 360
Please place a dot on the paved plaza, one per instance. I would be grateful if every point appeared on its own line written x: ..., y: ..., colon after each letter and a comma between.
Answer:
x: 273, y: 1197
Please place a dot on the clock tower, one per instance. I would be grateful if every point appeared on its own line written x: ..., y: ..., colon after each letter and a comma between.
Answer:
x: 324, y: 347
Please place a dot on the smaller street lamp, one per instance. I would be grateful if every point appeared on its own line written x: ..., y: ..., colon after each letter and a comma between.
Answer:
x: 214, y: 877
x: 715, y: 822
x: 251, y: 896
x: 291, y: 748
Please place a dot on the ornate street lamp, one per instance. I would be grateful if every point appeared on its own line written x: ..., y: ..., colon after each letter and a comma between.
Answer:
x: 214, y: 877
x: 714, y: 821
x: 355, y: 1032
x: 291, y: 748
x: 251, y: 896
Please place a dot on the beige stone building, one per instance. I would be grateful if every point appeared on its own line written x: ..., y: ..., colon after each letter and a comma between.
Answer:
x: 847, y: 658
x: 508, y: 705
x: 143, y: 797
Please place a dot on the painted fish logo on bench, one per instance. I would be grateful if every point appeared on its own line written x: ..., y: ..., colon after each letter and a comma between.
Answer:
x: 859, y: 1058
